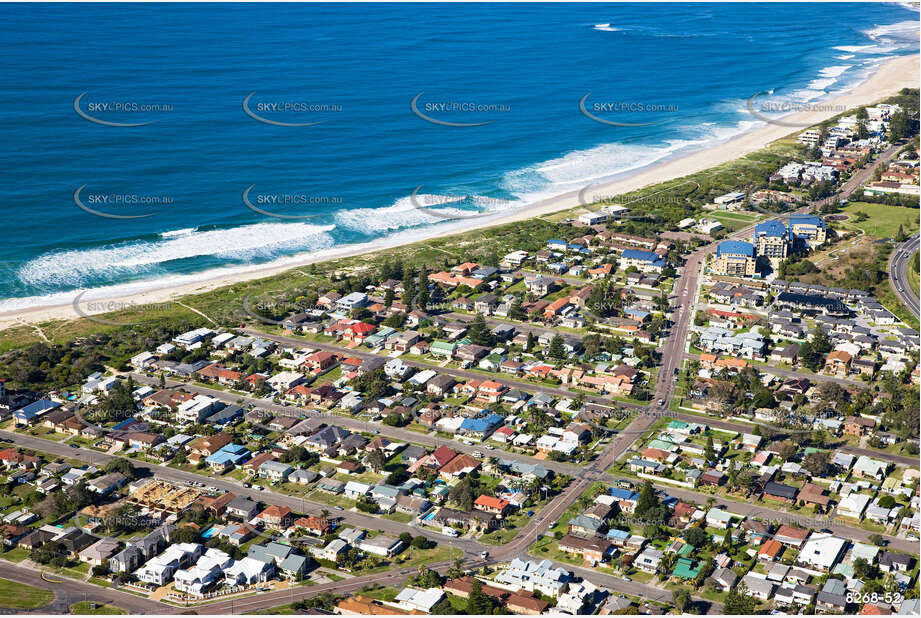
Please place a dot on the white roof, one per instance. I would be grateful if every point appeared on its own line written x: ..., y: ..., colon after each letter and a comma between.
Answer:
x: 421, y: 599
x: 821, y: 550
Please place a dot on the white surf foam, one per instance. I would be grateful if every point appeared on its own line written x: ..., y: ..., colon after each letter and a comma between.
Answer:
x: 78, y: 266
x: 178, y: 233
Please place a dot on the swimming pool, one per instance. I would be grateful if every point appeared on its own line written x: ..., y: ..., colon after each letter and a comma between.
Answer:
x: 210, y: 532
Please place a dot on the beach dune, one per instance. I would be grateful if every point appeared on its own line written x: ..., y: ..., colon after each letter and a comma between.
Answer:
x: 891, y: 77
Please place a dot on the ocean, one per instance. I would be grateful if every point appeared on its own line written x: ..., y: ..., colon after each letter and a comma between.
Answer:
x: 172, y: 142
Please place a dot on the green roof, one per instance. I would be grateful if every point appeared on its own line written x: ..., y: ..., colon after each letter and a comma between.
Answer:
x: 686, y: 569
x: 686, y: 549
x: 663, y: 445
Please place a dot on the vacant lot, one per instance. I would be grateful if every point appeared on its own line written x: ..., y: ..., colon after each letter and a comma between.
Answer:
x: 882, y: 221
x: 14, y: 595
x: 89, y: 608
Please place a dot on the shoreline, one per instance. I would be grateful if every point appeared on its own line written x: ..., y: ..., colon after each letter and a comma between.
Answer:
x: 888, y: 79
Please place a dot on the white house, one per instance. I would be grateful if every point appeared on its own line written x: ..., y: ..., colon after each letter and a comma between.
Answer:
x: 821, y: 551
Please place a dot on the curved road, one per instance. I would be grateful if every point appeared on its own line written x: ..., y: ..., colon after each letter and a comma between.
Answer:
x: 899, y: 263
x: 68, y: 591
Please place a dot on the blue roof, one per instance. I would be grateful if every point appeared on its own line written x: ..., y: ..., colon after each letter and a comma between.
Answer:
x: 770, y: 228
x: 482, y: 424
x: 735, y: 247
x: 556, y: 242
x: 807, y: 220
x: 618, y: 534
x: 36, y: 407
x: 646, y: 256
x: 623, y: 494
x: 231, y: 453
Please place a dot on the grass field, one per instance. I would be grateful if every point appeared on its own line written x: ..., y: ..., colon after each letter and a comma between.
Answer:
x: 14, y: 595
x: 882, y: 220
x: 913, y: 273
x: 88, y: 607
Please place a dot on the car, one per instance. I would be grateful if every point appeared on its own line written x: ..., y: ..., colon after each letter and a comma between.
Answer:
x: 489, y: 447
x: 74, y: 446
x: 484, y: 555
x: 477, y: 454
x: 661, y: 402
x: 627, y: 579
x: 246, y: 485
x: 339, y: 508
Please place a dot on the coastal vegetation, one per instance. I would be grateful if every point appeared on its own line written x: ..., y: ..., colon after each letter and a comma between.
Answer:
x: 39, y: 354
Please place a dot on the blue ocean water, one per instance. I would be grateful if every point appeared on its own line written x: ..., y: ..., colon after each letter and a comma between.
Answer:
x: 348, y: 75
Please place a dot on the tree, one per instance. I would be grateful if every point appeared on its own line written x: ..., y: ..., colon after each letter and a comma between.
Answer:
x: 817, y: 462
x: 681, y: 599
x: 788, y: 450
x: 820, y: 341
x: 648, y: 506
x: 456, y: 569
x: 479, y: 331
x: 120, y: 465
x: 462, y: 494
x: 376, y: 459
x: 738, y: 601
x: 185, y: 534
x: 887, y: 501
x: 478, y: 602
x: 695, y: 536
x: 556, y: 349
x: 406, y: 538
x: 877, y: 539
x: 709, y: 451
x: 421, y: 542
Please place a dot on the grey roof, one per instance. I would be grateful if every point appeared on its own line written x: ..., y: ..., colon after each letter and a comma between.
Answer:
x: 242, y: 503
x: 293, y: 562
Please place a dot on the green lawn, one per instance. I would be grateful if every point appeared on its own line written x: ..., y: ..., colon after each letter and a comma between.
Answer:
x: 913, y: 273
x: 88, y: 607
x: 882, y: 220
x: 17, y: 554
x: 14, y: 595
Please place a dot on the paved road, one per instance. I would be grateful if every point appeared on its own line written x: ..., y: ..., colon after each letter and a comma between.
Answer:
x: 790, y: 373
x: 905, y: 460
x: 471, y: 548
x: 899, y: 263
x: 348, y: 422
x: 860, y: 177
x: 299, y: 505
x: 68, y: 591
x: 457, y: 373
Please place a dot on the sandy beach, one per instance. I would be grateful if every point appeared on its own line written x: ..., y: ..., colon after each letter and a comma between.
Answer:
x: 886, y: 81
